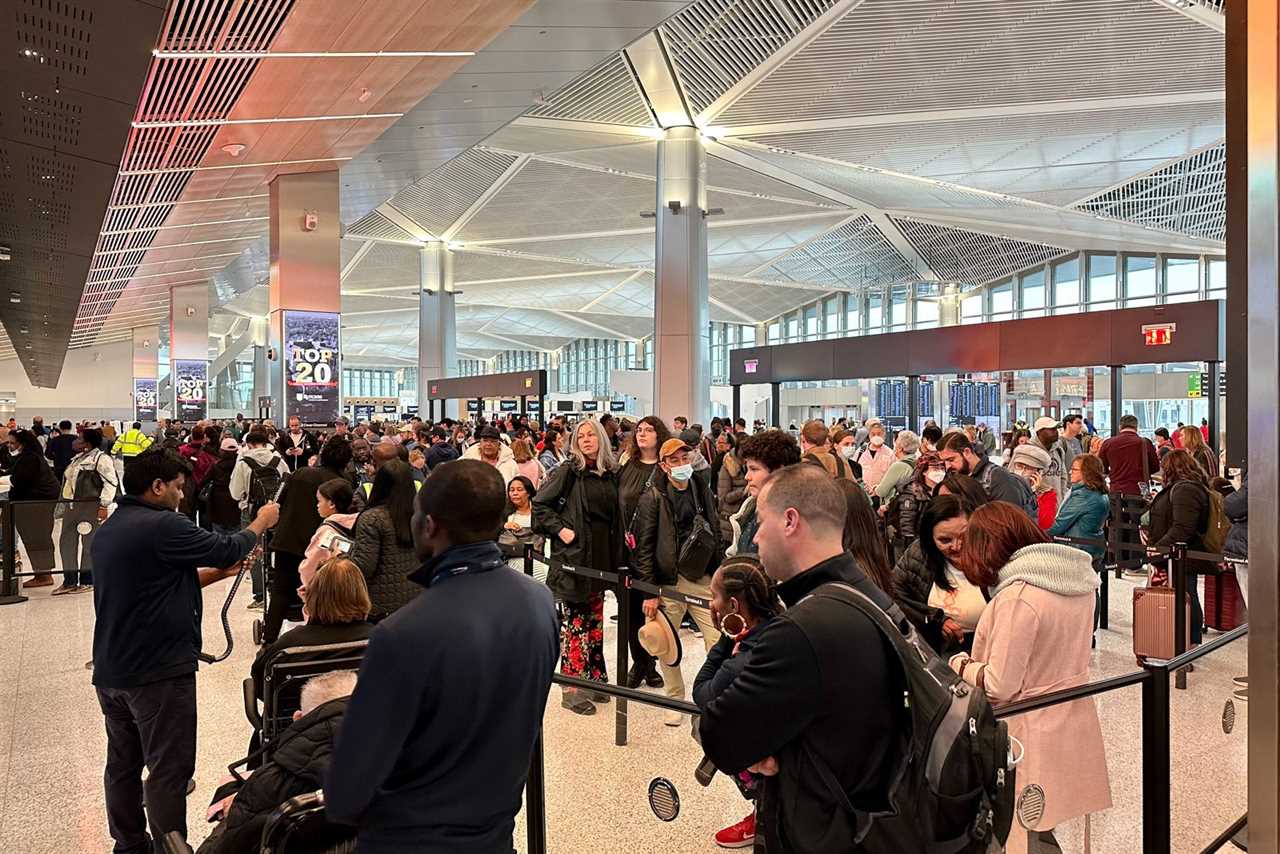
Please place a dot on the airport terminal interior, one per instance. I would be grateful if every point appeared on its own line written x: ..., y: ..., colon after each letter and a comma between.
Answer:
x: 420, y: 224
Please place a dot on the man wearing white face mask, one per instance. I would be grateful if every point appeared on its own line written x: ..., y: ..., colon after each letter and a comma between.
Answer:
x: 677, y: 545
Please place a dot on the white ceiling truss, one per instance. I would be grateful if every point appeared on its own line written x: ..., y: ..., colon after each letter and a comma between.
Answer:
x: 853, y: 145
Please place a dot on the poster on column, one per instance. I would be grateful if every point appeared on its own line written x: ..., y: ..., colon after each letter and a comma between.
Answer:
x: 311, y: 366
x: 191, y: 383
x: 145, y: 400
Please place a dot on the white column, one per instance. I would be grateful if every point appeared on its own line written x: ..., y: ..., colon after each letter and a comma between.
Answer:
x: 681, y: 313
x: 437, y: 322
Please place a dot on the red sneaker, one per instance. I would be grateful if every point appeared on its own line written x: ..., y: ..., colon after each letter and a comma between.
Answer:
x: 740, y: 835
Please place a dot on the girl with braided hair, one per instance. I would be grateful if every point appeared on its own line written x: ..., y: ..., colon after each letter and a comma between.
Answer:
x: 744, y: 601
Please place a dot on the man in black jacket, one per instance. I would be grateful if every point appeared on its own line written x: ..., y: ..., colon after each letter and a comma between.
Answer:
x: 297, y: 446
x: 822, y: 684
x: 435, y: 746
x: 440, y: 451
x: 146, y: 639
x: 299, y: 760
x: 666, y: 517
x: 961, y: 456
x: 61, y: 448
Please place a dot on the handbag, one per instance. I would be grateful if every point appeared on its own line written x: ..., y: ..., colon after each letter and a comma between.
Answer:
x: 630, y: 536
x: 700, y: 546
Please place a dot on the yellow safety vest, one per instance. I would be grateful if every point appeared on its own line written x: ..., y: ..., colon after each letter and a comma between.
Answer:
x: 368, y: 487
x: 131, y: 444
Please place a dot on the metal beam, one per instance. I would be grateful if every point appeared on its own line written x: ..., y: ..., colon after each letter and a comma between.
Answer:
x: 237, y: 346
x: 779, y: 58
x: 1215, y: 21
x: 638, y: 231
x: 494, y: 188
x: 521, y: 345
x: 621, y: 131
x: 628, y: 280
x: 994, y: 111
x: 403, y: 220
x: 626, y: 336
x: 735, y: 312
x: 658, y: 82
x: 1147, y: 172
x: 356, y: 259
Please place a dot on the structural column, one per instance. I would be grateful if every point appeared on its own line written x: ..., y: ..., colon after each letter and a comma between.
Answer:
x: 437, y: 323
x: 189, y: 351
x: 261, y: 365
x: 305, y: 300
x: 681, y: 311
x: 146, y: 364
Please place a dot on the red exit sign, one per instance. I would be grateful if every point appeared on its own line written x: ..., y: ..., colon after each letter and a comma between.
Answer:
x: 1158, y: 334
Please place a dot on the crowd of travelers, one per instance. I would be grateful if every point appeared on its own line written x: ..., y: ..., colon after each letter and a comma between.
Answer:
x: 402, y: 536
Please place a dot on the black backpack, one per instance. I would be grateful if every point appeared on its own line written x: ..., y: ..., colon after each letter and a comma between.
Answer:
x: 89, y: 483
x: 264, y: 481
x: 953, y: 789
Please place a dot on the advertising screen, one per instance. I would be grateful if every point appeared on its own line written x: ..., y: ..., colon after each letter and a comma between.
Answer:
x: 311, y: 366
x: 589, y: 406
x: 564, y: 406
x: 617, y: 406
x: 146, y: 401
x: 190, y: 385
x: 509, y: 405
x: 473, y: 406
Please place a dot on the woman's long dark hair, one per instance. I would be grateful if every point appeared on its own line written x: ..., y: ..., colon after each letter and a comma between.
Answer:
x: 659, y: 426
x: 393, y: 489
x: 941, y: 509
x: 862, y: 535
x: 27, y: 440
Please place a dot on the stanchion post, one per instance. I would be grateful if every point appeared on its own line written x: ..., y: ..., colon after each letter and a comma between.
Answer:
x: 622, y: 659
x: 1178, y: 578
x: 10, y: 593
x: 535, y: 801
x: 1156, y: 838
x: 528, y: 559
x: 1113, y: 534
x: 1104, y: 598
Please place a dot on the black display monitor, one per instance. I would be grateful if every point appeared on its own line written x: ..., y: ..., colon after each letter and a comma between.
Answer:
x: 617, y: 406
x: 589, y: 406
x: 564, y: 406
x: 509, y: 405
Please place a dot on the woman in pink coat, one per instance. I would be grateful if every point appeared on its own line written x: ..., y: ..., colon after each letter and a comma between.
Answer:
x: 876, y: 459
x: 1034, y: 638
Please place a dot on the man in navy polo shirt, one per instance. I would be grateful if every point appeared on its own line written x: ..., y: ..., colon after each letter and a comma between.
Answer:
x: 147, y: 582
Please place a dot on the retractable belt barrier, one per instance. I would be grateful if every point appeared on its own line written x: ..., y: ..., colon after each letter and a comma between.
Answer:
x: 624, y: 579
x: 10, y: 592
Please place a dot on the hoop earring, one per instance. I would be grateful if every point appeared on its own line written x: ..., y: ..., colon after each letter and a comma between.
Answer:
x: 741, y: 627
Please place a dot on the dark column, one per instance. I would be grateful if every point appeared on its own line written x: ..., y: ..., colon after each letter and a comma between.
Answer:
x: 1117, y: 397
x: 1215, y: 374
x: 737, y: 402
x: 775, y: 397
x: 1237, y: 234
x: 913, y: 404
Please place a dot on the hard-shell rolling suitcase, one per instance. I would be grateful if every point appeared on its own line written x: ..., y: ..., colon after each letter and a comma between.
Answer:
x: 1153, y: 622
x: 1223, y: 601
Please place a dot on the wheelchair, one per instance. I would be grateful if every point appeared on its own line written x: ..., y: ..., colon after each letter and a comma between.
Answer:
x: 298, y: 826
x: 282, y: 681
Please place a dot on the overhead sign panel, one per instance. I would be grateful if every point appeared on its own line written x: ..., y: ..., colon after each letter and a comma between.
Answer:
x: 311, y: 366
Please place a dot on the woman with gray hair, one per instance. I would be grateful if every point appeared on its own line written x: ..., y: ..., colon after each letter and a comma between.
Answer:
x: 577, y: 509
x: 899, y: 475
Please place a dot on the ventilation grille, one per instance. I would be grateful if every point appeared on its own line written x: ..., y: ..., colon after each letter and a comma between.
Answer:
x: 856, y: 255
x: 716, y: 43
x: 437, y: 201
x: 972, y: 257
x: 50, y: 119
x: 52, y: 175
x: 607, y: 94
x: 375, y: 226
x: 1188, y: 196
x: 54, y: 33
x: 177, y: 89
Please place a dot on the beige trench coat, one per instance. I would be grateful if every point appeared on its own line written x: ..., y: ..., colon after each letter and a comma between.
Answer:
x: 1034, y: 642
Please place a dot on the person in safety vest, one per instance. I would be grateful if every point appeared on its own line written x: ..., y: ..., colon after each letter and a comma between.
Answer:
x: 131, y: 443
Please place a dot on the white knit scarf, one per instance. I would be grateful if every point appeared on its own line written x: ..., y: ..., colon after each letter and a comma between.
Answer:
x: 1055, y: 567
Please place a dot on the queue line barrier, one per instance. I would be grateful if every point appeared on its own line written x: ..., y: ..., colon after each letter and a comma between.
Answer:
x: 1153, y: 678
x: 10, y: 591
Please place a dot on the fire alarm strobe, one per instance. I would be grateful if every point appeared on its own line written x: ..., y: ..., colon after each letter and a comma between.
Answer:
x: 310, y: 221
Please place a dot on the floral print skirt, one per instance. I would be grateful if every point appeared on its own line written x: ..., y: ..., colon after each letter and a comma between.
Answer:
x: 582, y: 640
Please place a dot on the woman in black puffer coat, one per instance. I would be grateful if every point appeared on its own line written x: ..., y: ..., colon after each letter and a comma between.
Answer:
x: 32, y: 480
x: 731, y: 487
x: 383, y: 535
x: 1180, y: 514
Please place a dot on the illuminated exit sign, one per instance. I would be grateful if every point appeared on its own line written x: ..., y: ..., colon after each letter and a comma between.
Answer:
x: 1158, y: 334
x: 749, y: 365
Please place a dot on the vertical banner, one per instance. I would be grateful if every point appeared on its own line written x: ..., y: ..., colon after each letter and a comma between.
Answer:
x: 190, y: 388
x: 145, y: 399
x: 310, y: 346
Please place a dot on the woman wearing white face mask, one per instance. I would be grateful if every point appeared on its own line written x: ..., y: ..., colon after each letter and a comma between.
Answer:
x: 876, y: 459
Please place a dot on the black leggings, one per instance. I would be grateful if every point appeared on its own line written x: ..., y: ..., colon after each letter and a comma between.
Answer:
x: 640, y: 657
x: 284, y: 593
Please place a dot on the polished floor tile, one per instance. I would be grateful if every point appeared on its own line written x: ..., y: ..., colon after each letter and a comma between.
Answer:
x: 52, y: 746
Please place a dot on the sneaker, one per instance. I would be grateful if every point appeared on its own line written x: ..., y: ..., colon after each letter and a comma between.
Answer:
x: 740, y: 835
x: 674, y: 718
x: 85, y: 588
x: 1241, y: 694
x: 42, y: 580
x: 257, y: 605
x: 1241, y: 681
x: 63, y: 589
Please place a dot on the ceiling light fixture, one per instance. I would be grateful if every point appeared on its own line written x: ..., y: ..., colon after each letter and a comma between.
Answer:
x: 235, y: 149
x: 184, y: 169
x: 278, y: 120
x: 306, y: 54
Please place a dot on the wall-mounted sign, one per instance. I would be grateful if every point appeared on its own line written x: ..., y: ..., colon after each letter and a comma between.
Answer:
x: 564, y: 406
x: 617, y: 406
x: 311, y: 366
x: 528, y: 382
x: 749, y: 366
x: 146, y: 400
x: 533, y: 406
x: 589, y: 406
x: 411, y: 410
x: 364, y: 411
x: 473, y: 406
x: 508, y: 405
x: 1158, y: 334
x: 190, y: 389
x: 390, y: 409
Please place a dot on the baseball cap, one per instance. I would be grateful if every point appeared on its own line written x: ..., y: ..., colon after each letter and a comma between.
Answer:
x: 689, y: 436
x: 1031, y: 456
x: 229, y: 444
x: 489, y: 432
x: 672, y: 446
x: 1045, y: 423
